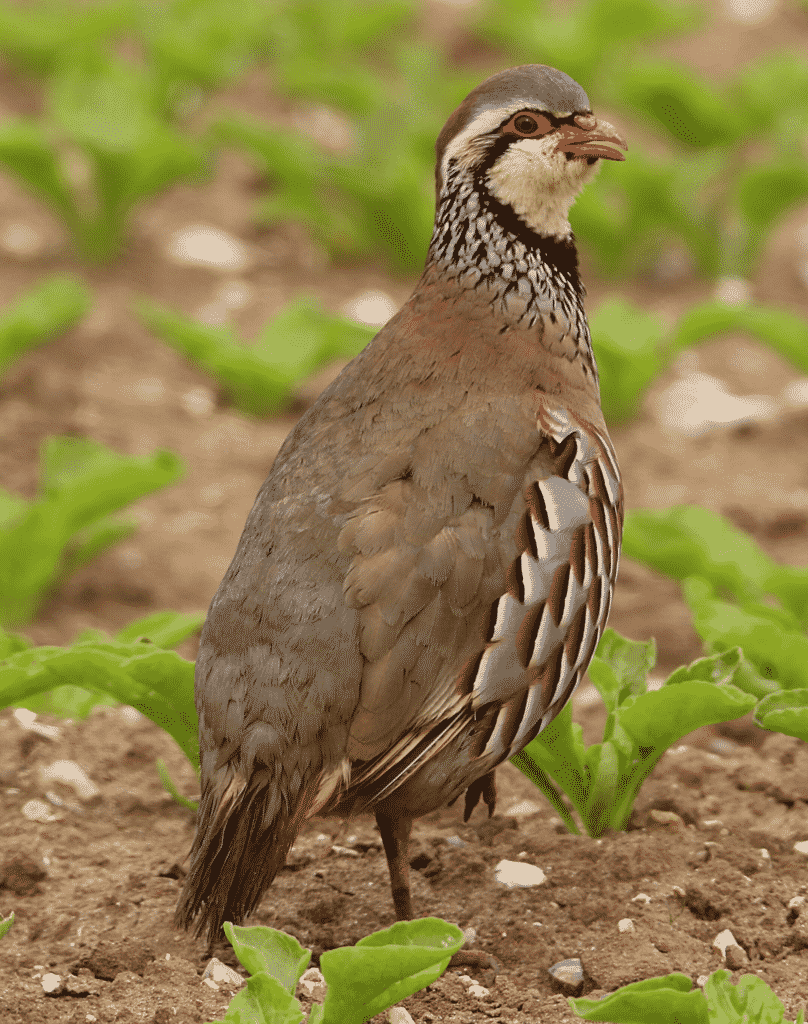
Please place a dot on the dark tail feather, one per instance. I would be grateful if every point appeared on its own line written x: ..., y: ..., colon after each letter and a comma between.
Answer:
x: 236, y: 854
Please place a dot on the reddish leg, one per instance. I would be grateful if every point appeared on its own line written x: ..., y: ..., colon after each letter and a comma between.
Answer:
x: 395, y: 833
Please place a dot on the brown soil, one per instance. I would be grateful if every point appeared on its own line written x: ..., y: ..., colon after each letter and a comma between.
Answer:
x: 93, y: 889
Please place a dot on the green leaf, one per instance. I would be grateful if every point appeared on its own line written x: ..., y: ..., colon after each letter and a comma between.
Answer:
x: 627, y: 344
x: 263, y: 1001
x: 667, y: 1000
x: 163, y: 629
x: 750, y: 1000
x: 620, y: 667
x: 270, y: 951
x: 260, y: 377
x: 160, y: 684
x: 772, y: 641
x: 386, y: 967
x: 6, y: 923
x: 81, y: 483
x: 51, y: 307
x: 785, y: 711
x: 685, y: 105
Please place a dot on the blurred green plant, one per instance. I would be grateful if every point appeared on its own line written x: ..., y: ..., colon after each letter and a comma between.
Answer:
x: 739, y: 597
x: 102, y: 147
x: 632, y: 346
x: 82, y: 483
x: 40, y: 37
x: 5, y: 924
x: 260, y: 377
x: 52, y: 306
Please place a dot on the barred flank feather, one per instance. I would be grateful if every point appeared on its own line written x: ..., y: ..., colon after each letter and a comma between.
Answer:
x: 236, y: 855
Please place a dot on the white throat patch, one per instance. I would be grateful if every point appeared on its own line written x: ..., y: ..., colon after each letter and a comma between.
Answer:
x: 540, y: 184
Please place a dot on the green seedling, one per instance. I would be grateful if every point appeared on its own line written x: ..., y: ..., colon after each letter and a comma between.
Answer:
x: 5, y: 924
x: 602, y: 781
x: 688, y: 541
x: 785, y: 711
x: 628, y: 347
x: 37, y: 38
x: 363, y: 980
x: 780, y: 329
x: 98, y: 670
x: 586, y: 38
x: 50, y: 308
x: 102, y: 147
x: 320, y: 49
x: 773, y: 639
x: 260, y: 377
x: 82, y: 483
x: 673, y: 1000
x: 688, y: 108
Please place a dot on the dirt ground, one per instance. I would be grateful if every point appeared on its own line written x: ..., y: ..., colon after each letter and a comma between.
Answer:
x: 93, y: 888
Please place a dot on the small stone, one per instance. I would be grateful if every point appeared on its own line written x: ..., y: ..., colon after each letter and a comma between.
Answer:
x: 736, y: 958
x: 312, y: 985
x: 625, y: 925
x: 734, y: 291
x: 568, y: 975
x: 71, y: 774
x: 201, y: 245
x: 523, y: 809
x: 373, y: 308
x: 666, y: 817
x: 51, y: 984
x: 399, y: 1015
x: 641, y: 897
x: 198, y: 401
x: 801, y: 847
x: 796, y: 903
x: 518, y: 875
x: 713, y: 823
x: 38, y: 810
x: 27, y: 719
x: 469, y: 936
x: 211, y: 984
x: 344, y: 851
x: 723, y: 940
x: 222, y: 974
x: 478, y: 991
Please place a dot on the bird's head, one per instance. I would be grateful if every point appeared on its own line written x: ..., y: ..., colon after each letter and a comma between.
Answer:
x: 527, y: 141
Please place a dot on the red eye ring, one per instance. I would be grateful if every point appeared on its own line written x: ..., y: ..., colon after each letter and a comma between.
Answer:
x: 528, y: 125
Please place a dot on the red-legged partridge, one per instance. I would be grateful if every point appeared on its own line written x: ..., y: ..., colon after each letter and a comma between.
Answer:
x: 426, y: 572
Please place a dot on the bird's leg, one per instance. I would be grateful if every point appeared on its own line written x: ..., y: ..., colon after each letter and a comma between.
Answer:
x: 395, y: 832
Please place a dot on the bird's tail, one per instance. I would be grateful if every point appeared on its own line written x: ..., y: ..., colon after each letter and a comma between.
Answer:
x: 244, y: 832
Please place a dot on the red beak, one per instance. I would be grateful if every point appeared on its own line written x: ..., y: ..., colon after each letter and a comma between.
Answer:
x: 589, y: 137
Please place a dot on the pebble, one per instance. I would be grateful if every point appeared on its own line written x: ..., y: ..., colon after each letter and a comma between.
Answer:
x: 312, y: 984
x: 478, y: 991
x: 523, y: 809
x: 625, y: 925
x: 27, y: 720
x: 70, y: 774
x: 723, y: 941
x: 52, y: 984
x: 201, y: 245
x: 641, y: 897
x: 699, y: 403
x: 516, y: 874
x: 568, y: 975
x: 734, y: 291
x: 399, y: 1015
x: 222, y: 974
x: 373, y: 308
x: 344, y: 851
x: 801, y: 847
x: 38, y: 810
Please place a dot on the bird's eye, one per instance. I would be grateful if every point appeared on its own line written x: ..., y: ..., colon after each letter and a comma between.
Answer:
x: 525, y: 124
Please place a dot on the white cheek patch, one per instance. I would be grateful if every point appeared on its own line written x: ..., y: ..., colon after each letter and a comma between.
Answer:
x: 539, y: 184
